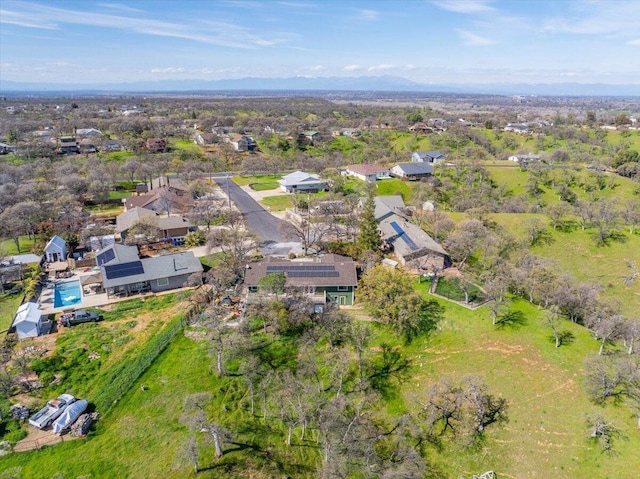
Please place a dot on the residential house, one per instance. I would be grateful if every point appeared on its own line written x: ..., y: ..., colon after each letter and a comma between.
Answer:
x: 67, y: 144
x: 520, y: 128
x: 312, y: 136
x: 524, y: 157
x: 412, y: 171
x: 156, y: 145
x: 386, y: 206
x: 5, y: 149
x: 160, y: 200
x: 327, y: 278
x: 368, y: 173
x: 242, y: 142
x: 28, y: 321
x: 55, y: 250
x: 206, y: 139
x: 433, y: 157
x: 124, y: 272
x: 299, y: 181
x: 168, y: 226
x: 413, y: 247
x: 176, y: 185
x: 88, y: 133
x: 87, y: 145
x: 113, y: 145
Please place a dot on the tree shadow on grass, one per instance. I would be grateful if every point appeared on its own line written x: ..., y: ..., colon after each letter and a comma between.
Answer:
x: 512, y: 320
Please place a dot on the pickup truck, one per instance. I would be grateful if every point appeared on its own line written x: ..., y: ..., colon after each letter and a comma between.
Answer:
x: 51, y: 411
x: 78, y: 317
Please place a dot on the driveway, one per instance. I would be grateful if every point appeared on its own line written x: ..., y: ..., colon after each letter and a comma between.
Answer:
x: 264, y: 224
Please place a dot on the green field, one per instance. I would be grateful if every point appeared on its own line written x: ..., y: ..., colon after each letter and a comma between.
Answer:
x: 394, y: 186
x: 545, y: 436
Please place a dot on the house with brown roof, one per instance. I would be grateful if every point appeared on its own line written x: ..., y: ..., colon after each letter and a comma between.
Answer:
x: 328, y: 278
x: 156, y: 145
x: 160, y: 200
x: 368, y: 173
x: 175, y: 226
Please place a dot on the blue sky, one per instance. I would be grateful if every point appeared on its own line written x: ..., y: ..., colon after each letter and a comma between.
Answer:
x: 438, y: 41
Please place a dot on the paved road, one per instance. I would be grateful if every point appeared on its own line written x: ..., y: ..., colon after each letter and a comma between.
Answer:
x: 263, y: 223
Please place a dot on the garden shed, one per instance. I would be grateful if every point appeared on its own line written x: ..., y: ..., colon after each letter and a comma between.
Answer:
x: 28, y: 321
x: 56, y: 249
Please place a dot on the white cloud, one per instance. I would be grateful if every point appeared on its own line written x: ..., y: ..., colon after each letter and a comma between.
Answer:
x: 121, y: 7
x: 212, y: 32
x: 375, y: 68
x: 316, y: 68
x: 297, y: 5
x: 368, y: 14
x: 473, y: 40
x: 634, y: 42
x: 465, y: 6
x: 597, y: 17
x: 168, y: 70
x: 351, y: 68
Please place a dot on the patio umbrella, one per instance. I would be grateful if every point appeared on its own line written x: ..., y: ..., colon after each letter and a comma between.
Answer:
x: 95, y: 278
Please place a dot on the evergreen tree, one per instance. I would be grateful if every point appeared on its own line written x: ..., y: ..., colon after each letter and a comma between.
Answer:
x: 369, y: 238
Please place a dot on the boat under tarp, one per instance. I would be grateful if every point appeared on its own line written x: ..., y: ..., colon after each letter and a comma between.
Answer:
x: 69, y: 416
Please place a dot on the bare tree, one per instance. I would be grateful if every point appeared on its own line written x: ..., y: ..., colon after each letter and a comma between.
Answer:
x: 234, y: 241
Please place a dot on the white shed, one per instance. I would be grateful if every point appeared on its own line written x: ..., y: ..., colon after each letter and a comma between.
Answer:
x: 28, y: 321
x: 56, y: 249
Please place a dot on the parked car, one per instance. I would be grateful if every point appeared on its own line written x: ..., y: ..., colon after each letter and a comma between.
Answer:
x: 78, y: 317
x: 51, y: 411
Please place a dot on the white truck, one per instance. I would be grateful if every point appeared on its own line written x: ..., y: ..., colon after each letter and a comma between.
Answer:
x: 51, y: 411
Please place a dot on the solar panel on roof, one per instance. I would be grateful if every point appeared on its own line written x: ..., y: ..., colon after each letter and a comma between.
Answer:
x: 302, y: 267
x: 123, y: 270
x: 106, y: 257
x: 403, y: 234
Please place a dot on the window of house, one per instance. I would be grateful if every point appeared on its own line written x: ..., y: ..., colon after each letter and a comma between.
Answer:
x: 343, y: 288
x: 163, y: 281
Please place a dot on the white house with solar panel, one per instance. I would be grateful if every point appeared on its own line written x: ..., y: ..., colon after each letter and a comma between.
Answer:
x: 125, y: 273
x: 328, y: 278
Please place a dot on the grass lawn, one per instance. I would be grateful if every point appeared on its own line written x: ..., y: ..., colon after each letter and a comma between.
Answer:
x: 116, y: 155
x: 188, y: 146
x: 257, y: 180
x: 8, y: 246
x: 8, y: 305
x: 118, y: 195
x: 394, y: 186
x: 264, y: 186
x: 451, y: 290
x: 277, y: 203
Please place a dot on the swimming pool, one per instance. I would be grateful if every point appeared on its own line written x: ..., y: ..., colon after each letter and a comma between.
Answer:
x: 67, y: 294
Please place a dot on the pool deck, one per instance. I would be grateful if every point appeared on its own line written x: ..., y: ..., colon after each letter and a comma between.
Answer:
x: 90, y: 299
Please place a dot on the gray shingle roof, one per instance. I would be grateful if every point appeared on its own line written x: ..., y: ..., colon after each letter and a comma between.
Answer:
x: 416, y: 168
x: 419, y: 237
x: 158, y: 267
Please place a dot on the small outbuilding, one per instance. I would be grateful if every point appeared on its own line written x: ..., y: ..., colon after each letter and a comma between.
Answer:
x: 56, y: 250
x: 28, y: 321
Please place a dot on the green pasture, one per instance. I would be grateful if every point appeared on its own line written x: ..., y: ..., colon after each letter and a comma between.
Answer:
x: 546, y: 435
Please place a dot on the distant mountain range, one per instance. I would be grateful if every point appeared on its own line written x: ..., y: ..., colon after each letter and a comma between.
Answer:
x: 294, y: 84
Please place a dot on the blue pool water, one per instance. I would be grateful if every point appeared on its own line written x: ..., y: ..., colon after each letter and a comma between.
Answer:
x: 67, y: 294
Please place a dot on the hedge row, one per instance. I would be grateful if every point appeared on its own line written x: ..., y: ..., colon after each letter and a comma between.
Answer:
x: 116, y: 382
